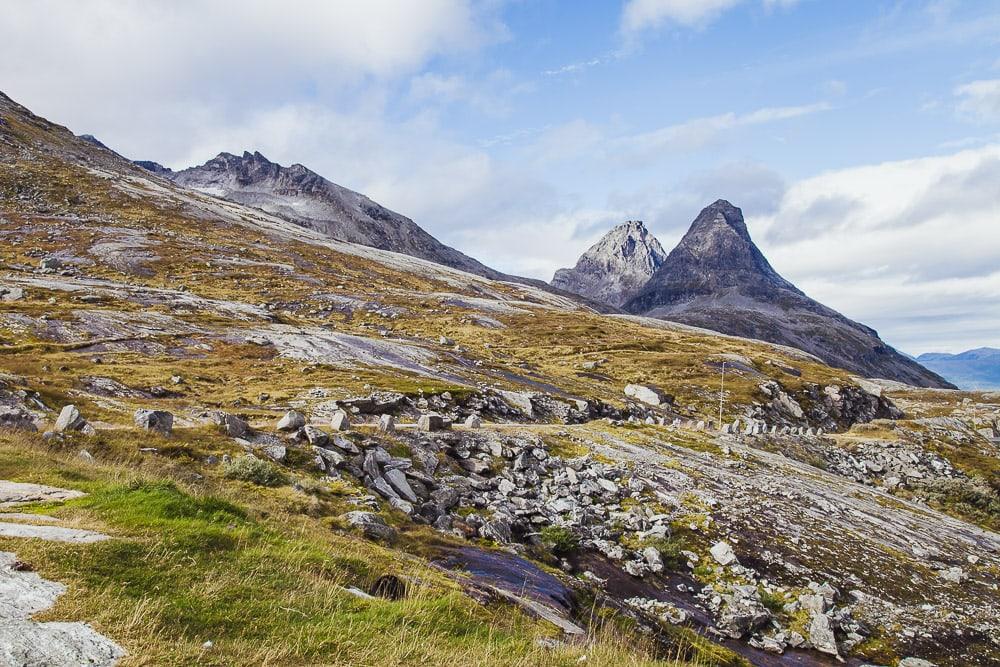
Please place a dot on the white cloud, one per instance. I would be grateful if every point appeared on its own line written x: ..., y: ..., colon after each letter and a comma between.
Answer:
x: 538, y: 243
x: 908, y: 247
x: 144, y: 76
x: 699, y: 132
x: 640, y: 15
x: 491, y: 94
x: 980, y: 100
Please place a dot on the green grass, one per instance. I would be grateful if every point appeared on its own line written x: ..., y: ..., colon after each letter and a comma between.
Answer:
x: 226, y: 562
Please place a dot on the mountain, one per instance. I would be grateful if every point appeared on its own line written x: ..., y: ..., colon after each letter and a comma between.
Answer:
x: 717, y: 278
x: 305, y: 198
x: 972, y: 369
x: 615, y: 268
x: 154, y: 167
x: 178, y: 362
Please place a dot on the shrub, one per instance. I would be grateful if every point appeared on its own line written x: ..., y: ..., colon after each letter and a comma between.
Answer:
x: 559, y: 540
x: 251, y: 469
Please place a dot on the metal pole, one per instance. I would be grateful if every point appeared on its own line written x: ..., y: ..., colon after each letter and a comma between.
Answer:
x: 722, y: 388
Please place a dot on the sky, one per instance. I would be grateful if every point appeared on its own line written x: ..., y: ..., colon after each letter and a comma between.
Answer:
x: 860, y: 137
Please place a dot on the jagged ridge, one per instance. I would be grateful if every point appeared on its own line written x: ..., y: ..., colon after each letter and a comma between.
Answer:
x: 303, y: 197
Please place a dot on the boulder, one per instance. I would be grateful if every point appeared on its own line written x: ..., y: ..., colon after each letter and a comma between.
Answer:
x: 431, y: 423
x: 231, y: 425
x: 522, y: 401
x: 397, y: 479
x: 915, y: 662
x: 723, y: 553
x: 330, y: 458
x: 292, y: 421
x: 70, y: 420
x: 386, y: 424
x: 473, y: 421
x: 648, y: 394
x: 372, y: 525
x: 345, y: 445
x: 11, y: 293
x: 340, y: 421
x: 160, y: 421
x: 954, y: 575
x: 653, y: 558
x: 821, y: 635
x: 17, y: 419
x: 445, y: 498
x: 497, y: 530
x: 273, y: 451
x: 316, y: 437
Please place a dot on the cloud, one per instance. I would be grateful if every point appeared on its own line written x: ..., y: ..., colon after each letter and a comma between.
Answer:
x: 898, y: 245
x: 643, y: 14
x: 700, y: 132
x: 573, y: 68
x: 979, y: 100
x: 145, y: 75
x: 639, y: 15
x: 491, y: 94
x: 538, y: 243
x: 669, y: 210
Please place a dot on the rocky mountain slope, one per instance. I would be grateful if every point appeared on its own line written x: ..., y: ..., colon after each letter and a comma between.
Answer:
x: 972, y: 369
x: 307, y: 451
x: 717, y: 278
x: 304, y: 197
x: 615, y: 268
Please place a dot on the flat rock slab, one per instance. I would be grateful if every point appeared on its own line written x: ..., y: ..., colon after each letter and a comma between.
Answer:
x: 19, y: 493
x: 27, y: 643
x: 50, y: 533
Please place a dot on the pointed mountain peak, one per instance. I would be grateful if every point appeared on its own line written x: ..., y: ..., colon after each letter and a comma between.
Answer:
x: 718, y: 216
x: 627, y: 238
x: 718, y: 278
x: 615, y: 267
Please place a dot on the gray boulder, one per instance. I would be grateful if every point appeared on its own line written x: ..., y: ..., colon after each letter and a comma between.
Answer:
x: 315, y: 436
x: 11, y: 293
x: 160, y: 421
x: 497, y: 530
x: 372, y: 525
x: 723, y: 553
x: 431, y: 423
x: 292, y: 421
x: 340, y: 421
x: 330, y: 458
x: 648, y: 394
x: 231, y: 425
x: 70, y: 420
x: 386, y: 424
x: 397, y: 479
x: 17, y: 419
x: 821, y: 635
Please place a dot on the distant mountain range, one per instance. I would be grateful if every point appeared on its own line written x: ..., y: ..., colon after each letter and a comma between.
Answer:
x: 717, y: 278
x: 973, y: 369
